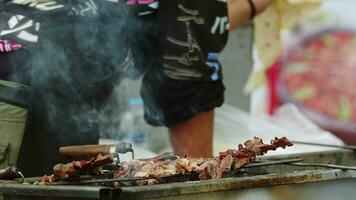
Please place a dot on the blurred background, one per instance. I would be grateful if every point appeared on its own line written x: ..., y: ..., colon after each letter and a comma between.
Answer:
x: 310, y: 81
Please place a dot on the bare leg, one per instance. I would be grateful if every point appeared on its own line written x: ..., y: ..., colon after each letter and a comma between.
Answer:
x: 195, y: 136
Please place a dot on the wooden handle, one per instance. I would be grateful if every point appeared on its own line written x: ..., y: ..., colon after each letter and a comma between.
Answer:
x: 85, y: 150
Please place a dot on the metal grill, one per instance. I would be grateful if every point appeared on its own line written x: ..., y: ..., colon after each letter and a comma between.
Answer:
x: 259, y: 182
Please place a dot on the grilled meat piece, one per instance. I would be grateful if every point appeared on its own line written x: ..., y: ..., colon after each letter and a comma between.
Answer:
x: 77, y: 168
x: 136, y: 168
x: 72, y: 170
x: 235, y: 159
x: 187, y: 165
x: 225, y: 166
x: 206, y: 168
x: 46, y: 180
x: 209, y: 170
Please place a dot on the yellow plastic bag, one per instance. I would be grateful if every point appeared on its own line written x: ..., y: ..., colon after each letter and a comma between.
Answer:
x: 281, y: 14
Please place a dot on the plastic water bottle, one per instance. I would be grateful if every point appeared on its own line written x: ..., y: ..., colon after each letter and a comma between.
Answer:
x: 134, y: 129
x: 132, y: 126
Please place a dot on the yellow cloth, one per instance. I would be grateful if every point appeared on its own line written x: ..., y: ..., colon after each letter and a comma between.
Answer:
x: 281, y: 14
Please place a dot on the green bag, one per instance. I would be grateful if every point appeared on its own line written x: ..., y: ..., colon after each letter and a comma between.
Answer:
x: 12, y: 127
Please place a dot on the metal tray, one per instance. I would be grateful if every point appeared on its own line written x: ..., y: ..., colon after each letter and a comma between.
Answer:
x: 268, y: 182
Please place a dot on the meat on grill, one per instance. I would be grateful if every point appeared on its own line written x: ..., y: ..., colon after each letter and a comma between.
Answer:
x: 72, y: 170
x: 76, y: 168
x: 167, y: 165
x: 213, y: 168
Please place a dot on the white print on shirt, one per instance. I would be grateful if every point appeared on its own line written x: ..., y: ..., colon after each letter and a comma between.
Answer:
x: 18, y: 24
x: 221, y: 24
x: 82, y: 10
x: 142, y: 2
x: 213, y: 62
x: 192, y: 15
x: 223, y: 1
x: 44, y: 5
x: 191, y: 43
x: 153, y: 6
x: 185, y: 59
x: 181, y: 74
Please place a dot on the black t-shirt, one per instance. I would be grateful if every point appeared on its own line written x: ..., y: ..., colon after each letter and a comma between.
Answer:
x: 192, y: 34
x: 105, y: 32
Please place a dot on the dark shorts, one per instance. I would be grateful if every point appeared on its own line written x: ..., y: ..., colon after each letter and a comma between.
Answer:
x: 168, y: 101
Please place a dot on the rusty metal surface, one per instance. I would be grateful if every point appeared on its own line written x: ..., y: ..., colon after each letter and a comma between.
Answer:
x: 175, y: 189
x: 260, y: 177
x: 331, y: 190
x: 55, y: 191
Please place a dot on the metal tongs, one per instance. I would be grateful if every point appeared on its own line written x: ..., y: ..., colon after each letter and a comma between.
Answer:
x: 93, y: 150
x: 11, y: 173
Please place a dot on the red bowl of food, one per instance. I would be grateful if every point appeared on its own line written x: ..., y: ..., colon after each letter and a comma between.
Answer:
x: 318, y: 74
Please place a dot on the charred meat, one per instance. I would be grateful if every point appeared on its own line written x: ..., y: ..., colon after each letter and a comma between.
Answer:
x: 212, y: 168
x: 157, y: 169
x: 72, y: 170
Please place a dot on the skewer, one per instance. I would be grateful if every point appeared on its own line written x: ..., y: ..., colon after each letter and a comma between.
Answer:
x: 342, y: 167
x: 102, y: 181
x: 271, y: 162
x: 86, y: 182
x: 326, y: 145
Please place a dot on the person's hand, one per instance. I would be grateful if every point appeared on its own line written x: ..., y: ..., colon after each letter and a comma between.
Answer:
x: 241, y: 11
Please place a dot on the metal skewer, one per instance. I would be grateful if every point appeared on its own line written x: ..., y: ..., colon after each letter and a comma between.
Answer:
x: 271, y: 162
x: 86, y: 182
x: 324, y: 165
x: 326, y: 145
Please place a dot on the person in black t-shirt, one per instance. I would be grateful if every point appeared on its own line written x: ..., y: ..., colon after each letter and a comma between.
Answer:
x: 71, y: 53
x: 183, y: 89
